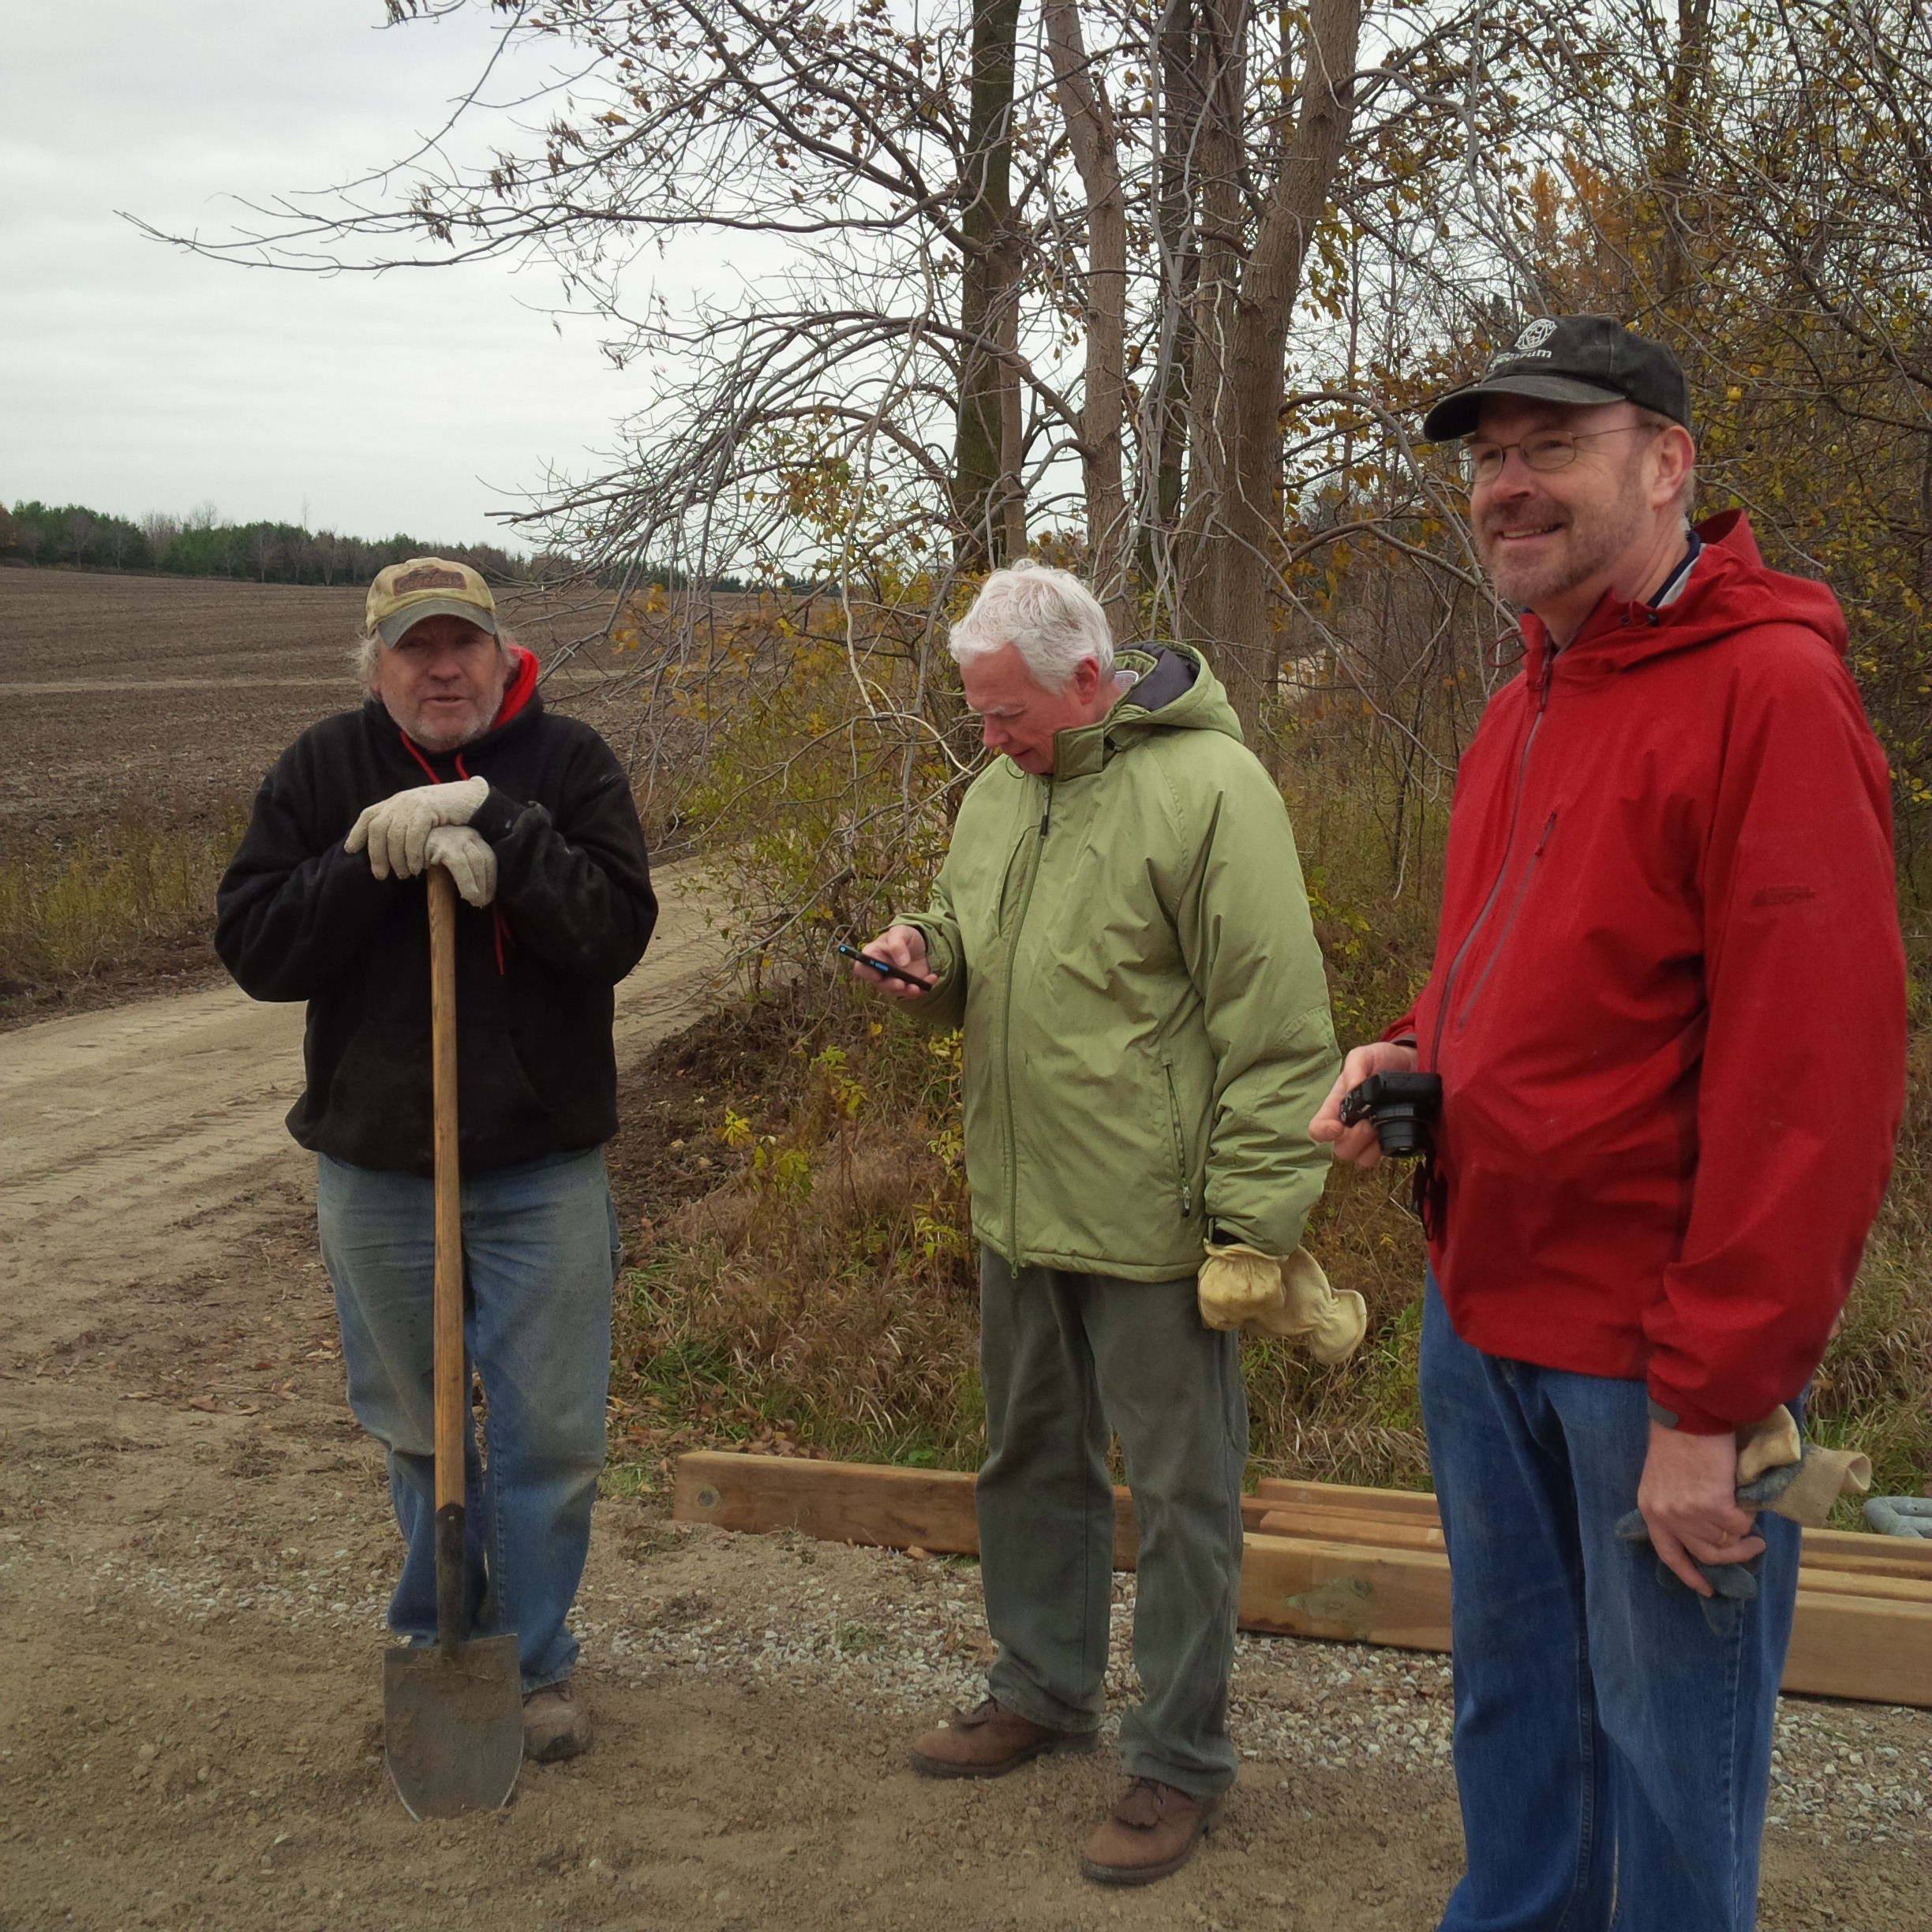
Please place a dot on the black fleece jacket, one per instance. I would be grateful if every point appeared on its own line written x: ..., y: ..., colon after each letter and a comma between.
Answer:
x: 299, y: 918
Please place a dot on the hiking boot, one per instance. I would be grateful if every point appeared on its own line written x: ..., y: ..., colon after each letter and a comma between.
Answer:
x: 556, y: 1725
x: 1152, y: 1833
x: 989, y: 1742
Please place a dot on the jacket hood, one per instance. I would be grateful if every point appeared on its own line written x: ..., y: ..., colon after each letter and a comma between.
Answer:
x: 1174, y: 690
x: 1729, y: 589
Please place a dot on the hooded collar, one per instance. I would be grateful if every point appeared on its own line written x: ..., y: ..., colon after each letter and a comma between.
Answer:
x: 1729, y: 589
x: 1174, y: 690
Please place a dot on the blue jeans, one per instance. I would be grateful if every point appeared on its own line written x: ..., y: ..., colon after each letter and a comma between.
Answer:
x: 1611, y: 1754
x: 540, y: 1250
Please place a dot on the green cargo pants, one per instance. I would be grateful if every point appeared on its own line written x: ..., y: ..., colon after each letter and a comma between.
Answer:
x: 1063, y: 1357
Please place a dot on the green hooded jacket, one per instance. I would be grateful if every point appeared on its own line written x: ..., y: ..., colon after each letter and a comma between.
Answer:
x: 1127, y: 946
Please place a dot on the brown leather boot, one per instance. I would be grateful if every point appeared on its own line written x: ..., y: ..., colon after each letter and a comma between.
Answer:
x: 556, y: 1725
x: 990, y: 1741
x: 1153, y: 1832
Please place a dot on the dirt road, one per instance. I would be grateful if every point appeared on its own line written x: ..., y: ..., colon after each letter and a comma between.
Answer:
x: 195, y: 1551
x: 140, y: 1138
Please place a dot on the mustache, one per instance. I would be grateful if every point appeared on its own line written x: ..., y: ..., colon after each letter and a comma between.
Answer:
x: 1500, y: 521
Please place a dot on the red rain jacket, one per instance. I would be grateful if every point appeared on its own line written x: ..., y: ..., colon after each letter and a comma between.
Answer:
x: 1668, y: 999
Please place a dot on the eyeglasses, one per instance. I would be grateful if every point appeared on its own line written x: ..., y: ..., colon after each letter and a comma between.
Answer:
x: 1549, y: 449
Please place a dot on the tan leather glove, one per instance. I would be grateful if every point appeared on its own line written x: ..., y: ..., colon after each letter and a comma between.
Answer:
x: 1770, y: 1448
x: 397, y: 830
x: 1240, y: 1287
x: 1235, y: 1284
x: 470, y: 861
x: 1330, y: 1322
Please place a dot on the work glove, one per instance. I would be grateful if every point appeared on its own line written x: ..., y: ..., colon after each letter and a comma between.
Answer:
x: 1779, y: 1472
x: 397, y: 831
x: 1236, y: 1284
x: 1733, y: 1584
x: 1331, y: 1321
x: 467, y: 855
x: 1240, y: 1287
x: 1776, y: 1470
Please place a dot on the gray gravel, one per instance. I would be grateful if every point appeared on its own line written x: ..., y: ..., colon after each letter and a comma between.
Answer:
x: 908, y: 1639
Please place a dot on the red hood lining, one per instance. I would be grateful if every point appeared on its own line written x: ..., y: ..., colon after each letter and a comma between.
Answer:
x: 523, y: 682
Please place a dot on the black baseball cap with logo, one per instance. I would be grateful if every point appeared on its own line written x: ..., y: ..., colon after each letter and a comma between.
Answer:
x: 1572, y: 358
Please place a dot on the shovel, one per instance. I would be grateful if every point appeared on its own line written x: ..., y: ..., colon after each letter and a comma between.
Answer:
x: 452, y: 1711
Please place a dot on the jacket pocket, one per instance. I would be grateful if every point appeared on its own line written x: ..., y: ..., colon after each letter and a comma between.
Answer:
x: 1184, y: 1182
x: 1009, y: 880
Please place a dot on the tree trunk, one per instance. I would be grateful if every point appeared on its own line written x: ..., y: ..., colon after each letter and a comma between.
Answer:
x: 1165, y: 433
x: 1233, y: 520
x: 987, y: 506
x: 1090, y: 132
x: 1683, y: 136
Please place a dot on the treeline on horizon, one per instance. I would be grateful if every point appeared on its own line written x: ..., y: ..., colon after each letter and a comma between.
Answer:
x: 72, y: 536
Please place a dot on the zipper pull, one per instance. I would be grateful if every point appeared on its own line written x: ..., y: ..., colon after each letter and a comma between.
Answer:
x: 1045, y: 808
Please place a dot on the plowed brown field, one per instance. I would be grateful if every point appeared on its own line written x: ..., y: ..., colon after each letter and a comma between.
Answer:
x: 172, y: 695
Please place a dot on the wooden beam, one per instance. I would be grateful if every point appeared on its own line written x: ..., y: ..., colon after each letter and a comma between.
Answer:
x: 1851, y: 1549
x: 837, y: 1502
x: 1301, y: 1586
x: 1860, y: 1647
x: 1335, y: 1526
x: 1863, y: 1628
x: 1869, y: 1554
x: 871, y: 1503
x: 1349, y: 1496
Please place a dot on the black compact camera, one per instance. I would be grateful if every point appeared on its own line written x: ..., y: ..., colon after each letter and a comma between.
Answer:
x: 1402, y: 1106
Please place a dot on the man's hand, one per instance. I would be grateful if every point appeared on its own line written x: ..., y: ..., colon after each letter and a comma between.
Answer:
x: 397, y: 831
x: 1358, y: 1143
x: 903, y: 946
x: 470, y: 862
x: 1688, y: 1498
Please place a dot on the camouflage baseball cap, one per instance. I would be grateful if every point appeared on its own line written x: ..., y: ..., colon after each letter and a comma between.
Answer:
x: 406, y: 593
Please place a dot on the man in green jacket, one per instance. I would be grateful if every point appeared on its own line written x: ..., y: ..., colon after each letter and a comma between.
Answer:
x: 1120, y: 929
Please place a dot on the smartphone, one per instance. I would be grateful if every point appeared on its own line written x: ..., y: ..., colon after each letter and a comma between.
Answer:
x: 881, y: 966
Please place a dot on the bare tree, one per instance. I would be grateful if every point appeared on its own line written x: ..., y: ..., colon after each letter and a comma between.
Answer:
x: 160, y: 529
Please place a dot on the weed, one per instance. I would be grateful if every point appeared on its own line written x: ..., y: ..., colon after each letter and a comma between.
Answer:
x: 108, y: 901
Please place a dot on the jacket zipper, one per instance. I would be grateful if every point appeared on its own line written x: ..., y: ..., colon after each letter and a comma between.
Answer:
x: 1509, y: 845
x: 1509, y: 925
x: 1181, y: 1177
x: 1013, y: 950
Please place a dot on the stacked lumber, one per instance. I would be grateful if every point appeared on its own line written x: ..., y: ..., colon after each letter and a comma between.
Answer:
x: 1327, y: 1560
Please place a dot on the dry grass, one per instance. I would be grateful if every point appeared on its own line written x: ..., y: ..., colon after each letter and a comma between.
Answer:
x: 824, y: 1295
x: 130, y: 896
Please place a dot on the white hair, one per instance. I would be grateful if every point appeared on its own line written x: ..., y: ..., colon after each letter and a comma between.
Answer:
x: 1048, y: 616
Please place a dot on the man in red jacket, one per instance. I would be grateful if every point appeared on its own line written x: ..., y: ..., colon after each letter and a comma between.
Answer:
x: 1667, y: 1012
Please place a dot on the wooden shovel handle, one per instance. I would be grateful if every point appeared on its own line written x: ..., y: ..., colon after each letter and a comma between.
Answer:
x: 447, y: 1372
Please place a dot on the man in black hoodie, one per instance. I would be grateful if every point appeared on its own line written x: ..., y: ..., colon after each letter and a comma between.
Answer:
x: 452, y: 760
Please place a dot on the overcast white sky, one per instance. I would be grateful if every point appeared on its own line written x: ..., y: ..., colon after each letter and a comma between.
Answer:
x: 134, y: 377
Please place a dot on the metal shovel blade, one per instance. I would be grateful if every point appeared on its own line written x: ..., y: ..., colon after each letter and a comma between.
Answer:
x: 453, y: 1727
